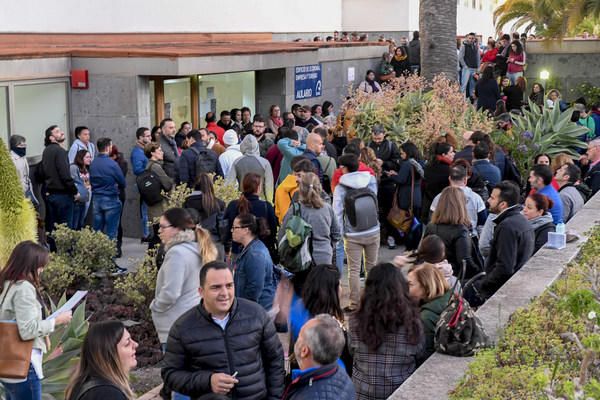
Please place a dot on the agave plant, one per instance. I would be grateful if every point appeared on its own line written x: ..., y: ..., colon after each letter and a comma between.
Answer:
x: 58, y: 365
x: 541, y: 131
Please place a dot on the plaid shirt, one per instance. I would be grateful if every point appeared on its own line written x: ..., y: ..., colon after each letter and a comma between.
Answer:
x: 377, y: 374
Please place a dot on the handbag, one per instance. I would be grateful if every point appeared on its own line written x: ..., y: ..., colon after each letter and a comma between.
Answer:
x: 399, y: 218
x: 15, y: 356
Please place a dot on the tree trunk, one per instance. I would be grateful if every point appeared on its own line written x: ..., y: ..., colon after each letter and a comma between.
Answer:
x: 437, y: 26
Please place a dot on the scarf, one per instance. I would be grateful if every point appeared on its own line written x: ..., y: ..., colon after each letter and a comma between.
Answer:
x: 277, y: 121
x: 373, y: 86
x: 20, y: 151
x: 417, y: 167
x: 185, y: 236
x: 400, y: 58
x: 443, y: 159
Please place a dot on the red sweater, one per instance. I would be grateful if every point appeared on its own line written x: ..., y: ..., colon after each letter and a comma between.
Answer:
x: 490, y: 56
x: 337, y: 174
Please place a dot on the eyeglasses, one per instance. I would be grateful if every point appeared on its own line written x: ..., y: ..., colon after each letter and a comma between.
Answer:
x: 164, y: 226
x: 233, y: 228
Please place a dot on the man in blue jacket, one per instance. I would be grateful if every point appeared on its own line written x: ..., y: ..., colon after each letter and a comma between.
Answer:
x: 106, y: 179
x: 540, y: 179
x: 139, y: 162
x: 320, y: 343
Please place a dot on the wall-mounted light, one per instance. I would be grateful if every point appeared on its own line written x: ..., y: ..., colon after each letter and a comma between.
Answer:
x: 544, y: 74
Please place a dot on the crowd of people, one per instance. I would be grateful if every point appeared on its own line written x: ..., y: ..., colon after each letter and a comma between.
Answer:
x: 223, y: 289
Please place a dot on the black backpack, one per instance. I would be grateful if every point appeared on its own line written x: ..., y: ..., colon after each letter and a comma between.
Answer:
x: 511, y: 172
x: 360, y: 208
x: 149, y: 187
x: 205, y: 161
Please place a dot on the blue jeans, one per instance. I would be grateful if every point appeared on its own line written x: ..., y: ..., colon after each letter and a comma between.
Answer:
x: 59, y: 210
x: 107, y: 213
x: 339, y: 256
x: 467, y: 78
x: 79, y: 212
x: 144, y: 213
x: 513, y: 76
x: 31, y: 389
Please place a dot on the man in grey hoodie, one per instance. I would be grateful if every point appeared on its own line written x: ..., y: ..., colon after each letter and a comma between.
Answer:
x: 251, y: 161
x: 357, y: 241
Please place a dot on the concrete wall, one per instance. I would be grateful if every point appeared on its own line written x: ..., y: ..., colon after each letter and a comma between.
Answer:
x: 172, y: 16
x: 569, y: 63
x: 115, y: 106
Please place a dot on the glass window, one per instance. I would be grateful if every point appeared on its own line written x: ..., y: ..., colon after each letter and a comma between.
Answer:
x: 4, y: 134
x: 178, y: 100
x: 37, y: 106
x: 220, y: 92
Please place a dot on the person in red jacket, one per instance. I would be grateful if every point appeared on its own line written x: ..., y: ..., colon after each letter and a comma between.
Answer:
x: 211, y: 125
x: 337, y: 174
x: 489, y: 56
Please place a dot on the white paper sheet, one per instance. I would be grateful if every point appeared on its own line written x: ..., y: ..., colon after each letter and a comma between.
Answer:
x: 69, y: 305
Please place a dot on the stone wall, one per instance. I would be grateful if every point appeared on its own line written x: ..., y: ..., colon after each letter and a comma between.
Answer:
x: 441, y: 373
x: 569, y: 63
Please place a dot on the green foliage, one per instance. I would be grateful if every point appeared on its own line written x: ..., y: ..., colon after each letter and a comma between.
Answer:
x: 18, y: 221
x: 590, y: 92
x: 139, y: 286
x: 225, y: 190
x: 79, y: 254
x: 540, y: 131
x: 175, y: 198
x: 543, y: 349
x: 58, y: 366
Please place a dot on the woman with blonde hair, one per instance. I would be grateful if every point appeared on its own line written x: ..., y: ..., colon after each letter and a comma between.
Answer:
x: 559, y: 160
x: 452, y: 224
x: 107, y: 356
x: 319, y: 214
x: 187, y: 248
x: 431, y: 291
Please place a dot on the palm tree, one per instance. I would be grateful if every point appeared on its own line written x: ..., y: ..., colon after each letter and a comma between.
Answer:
x: 437, y: 26
x: 578, y: 11
x: 546, y: 17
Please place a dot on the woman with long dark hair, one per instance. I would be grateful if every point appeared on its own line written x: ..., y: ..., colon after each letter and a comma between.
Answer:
x: 328, y: 109
x: 537, y: 94
x: 369, y: 85
x: 516, y: 61
x: 107, y: 356
x: 21, y: 301
x: 487, y: 91
x: 80, y: 172
x: 400, y: 62
x: 386, y: 327
x: 250, y: 203
x: 204, y: 200
x: 436, y: 175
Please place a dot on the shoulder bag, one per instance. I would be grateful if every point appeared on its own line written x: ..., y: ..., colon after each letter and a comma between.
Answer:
x: 399, y: 218
x: 15, y: 356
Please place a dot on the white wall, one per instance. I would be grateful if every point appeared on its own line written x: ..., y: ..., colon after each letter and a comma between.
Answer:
x: 475, y: 20
x: 375, y: 15
x: 171, y: 16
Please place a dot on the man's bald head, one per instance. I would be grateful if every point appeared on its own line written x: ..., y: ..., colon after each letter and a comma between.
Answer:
x: 314, y: 143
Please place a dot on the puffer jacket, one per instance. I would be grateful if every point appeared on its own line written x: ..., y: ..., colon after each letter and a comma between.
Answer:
x: 329, y: 382
x: 197, y: 347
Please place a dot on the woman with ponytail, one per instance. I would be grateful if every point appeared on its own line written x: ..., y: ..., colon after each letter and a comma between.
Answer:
x: 319, y: 214
x: 250, y: 203
x: 187, y: 248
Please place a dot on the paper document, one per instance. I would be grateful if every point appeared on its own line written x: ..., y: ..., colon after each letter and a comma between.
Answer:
x: 69, y: 305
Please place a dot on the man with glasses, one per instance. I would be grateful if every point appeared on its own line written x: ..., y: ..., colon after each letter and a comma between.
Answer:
x: 592, y: 177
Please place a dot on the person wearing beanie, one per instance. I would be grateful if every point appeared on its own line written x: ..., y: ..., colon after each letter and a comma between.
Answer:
x: 232, y: 151
x: 251, y: 161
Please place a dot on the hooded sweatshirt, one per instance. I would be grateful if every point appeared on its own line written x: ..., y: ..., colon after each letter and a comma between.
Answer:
x: 354, y: 180
x: 283, y: 196
x: 227, y: 159
x: 251, y: 161
x: 541, y: 226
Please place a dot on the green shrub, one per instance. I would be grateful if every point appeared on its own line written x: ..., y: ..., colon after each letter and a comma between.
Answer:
x: 79, y: 254
x: 139, y: 286
x: 225, y: 190
x: 546, y: 349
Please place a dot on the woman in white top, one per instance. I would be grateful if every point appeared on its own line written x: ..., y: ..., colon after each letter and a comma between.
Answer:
x: 20, y: 301
x: 370, y: 85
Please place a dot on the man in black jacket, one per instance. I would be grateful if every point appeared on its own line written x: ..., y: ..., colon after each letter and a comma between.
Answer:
x: 512, y: 244
x: 225, y: 345
x: 59, y: 188
x: 197, y: 158
x: 169, y: 148
x: 388, y: 153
